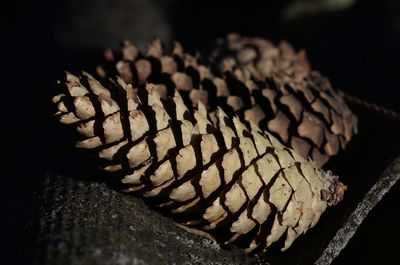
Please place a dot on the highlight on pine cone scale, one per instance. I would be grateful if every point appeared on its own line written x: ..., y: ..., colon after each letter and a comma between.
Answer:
x: 224, y: 180
x: 271, y: 86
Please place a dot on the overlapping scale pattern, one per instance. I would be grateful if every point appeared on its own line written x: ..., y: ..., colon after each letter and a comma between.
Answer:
x: 274, y: 87
x: 221, y: 179
x: 307, y: 112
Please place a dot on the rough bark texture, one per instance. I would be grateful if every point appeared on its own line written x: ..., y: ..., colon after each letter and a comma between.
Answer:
x: 88, y: 223
x: 84, y: 222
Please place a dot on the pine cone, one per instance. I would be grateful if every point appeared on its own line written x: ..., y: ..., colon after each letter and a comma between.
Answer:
x: 227, y: 181
x: 297, y: 105
x: 307, y: 113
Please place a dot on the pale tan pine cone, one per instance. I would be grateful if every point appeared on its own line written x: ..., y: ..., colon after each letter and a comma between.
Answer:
x: 227, y: 181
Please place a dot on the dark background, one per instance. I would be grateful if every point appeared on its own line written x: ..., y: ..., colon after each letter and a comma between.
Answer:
x: 357, y: 47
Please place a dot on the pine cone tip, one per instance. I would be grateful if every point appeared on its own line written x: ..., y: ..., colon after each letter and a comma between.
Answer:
x: 335, y: 193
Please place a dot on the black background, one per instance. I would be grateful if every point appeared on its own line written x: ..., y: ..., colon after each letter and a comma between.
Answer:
x: 357, y: 48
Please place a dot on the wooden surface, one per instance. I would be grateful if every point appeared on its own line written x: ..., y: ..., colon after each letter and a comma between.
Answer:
x: 89, y: 223
x: 86, y: 222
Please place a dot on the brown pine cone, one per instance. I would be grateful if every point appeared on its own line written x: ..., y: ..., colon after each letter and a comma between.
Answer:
x: 297, y: 106
x: 307, y: 113
x: 227, y: 181
x: 258, y: 57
